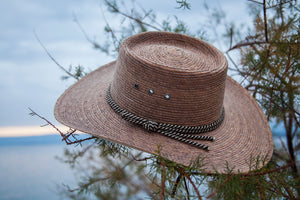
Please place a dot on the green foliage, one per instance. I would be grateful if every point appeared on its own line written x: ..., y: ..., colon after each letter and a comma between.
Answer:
x: 134, y: 175
x: 270, y: 66
x: 270, y: 182
x: 101, y: 175
x: 77, y: 72
x: 183, y: 4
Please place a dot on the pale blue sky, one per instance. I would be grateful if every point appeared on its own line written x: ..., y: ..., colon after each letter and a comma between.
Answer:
x: 28, y: 78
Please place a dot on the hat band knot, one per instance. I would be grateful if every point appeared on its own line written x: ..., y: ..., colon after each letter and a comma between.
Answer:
x: 150, y: 126
x: 178, y: 132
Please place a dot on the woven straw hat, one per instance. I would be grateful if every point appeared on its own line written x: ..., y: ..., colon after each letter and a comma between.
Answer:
x: 170, y: 91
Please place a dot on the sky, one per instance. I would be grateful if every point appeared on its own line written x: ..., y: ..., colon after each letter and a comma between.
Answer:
x: 28, y: 77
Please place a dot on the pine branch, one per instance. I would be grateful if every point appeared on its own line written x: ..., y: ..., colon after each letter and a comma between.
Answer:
x: 261, y: 193
x: 220, y: 187
x: 183, y: 4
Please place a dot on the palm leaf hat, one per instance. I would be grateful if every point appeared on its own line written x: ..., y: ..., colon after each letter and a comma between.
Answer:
x: 171, y: 91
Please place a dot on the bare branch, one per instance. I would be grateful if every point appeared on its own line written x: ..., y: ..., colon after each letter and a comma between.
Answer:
x: 257, y: 2
x: 82, y: 29
x: 280, y: 4
x: 131, y: 17
x: 246, y: 43
x: 113, y: 35
x: 181, y: 170
x: 163, y: 181
x: 265, y: 21
x: 175, y: 185
x: 91, y: 182
x: 65, y: 137
x: 142, y: 159
x: 243, y: 44
x: 53, y: 59
x: 186, y: 188
x: 43, y: 118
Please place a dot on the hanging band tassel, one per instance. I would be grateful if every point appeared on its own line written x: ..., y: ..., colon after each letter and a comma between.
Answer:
x: 184, y: 140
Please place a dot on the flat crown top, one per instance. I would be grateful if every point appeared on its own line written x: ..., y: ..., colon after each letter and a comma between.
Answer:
x: 177, y: 53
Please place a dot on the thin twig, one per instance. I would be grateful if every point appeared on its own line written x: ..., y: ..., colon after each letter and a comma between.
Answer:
x: 246, y: 43
x: 242, y: 44
x: 113, y: 35
x: 163, y: 181
x: 256, y: 2
x: 280, y: 4
x: 142, y: 159
x: 187, y: 189
x: 53, y: 59
x: 265, y: 21
x: 175, y: 185
x: 65, y: 137
x: 131, y: 17
x: 79, y: 141
x: 69, y: 133
x: 43, y: 118
x: 82, y: 29
x: 89, y: 183
x: 192, y: 182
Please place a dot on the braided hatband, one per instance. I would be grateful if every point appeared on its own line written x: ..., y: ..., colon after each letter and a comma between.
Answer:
x: 177, y: 132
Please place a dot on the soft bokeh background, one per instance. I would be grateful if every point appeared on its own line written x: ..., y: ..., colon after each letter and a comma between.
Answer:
x: 28, y: 78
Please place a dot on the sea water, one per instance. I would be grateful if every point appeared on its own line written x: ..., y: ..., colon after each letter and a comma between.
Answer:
x: 29, y: 168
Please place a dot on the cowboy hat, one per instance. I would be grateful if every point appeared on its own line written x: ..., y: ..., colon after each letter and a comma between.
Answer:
x: 171, y: 91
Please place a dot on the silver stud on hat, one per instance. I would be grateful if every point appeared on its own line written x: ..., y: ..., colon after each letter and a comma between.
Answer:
x: 151, y: 91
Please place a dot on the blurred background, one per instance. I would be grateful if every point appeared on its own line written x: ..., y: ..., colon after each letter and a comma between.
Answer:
x: 29, y: 168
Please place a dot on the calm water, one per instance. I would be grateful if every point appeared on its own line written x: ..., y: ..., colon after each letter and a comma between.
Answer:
x: 29, y: 169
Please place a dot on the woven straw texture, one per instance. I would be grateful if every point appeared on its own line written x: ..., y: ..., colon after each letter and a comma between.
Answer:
x: 193, y: 74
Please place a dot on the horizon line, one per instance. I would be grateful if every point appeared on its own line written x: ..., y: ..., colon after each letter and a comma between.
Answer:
x: 25, y: 131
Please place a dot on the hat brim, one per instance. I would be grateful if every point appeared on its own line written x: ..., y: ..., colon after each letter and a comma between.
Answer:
x: 244, y: 133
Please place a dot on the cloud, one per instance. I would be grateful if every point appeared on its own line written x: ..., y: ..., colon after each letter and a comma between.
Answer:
x: 28, y: 78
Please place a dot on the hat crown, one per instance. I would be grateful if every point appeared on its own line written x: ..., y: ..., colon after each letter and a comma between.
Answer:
x: 170, y: 78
